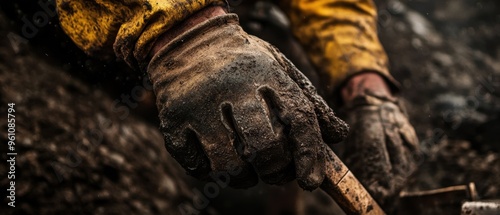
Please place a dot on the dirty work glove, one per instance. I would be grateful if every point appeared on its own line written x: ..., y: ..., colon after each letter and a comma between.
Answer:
x: 381, y: 147
x: 232, y: 106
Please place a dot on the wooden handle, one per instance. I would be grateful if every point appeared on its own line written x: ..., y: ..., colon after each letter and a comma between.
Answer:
x: 346, y: 190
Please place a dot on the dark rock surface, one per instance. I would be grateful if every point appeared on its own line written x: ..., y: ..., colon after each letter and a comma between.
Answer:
x: 78, y: 151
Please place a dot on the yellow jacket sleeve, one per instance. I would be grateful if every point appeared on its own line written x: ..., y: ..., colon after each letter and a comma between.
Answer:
x: 129, y: 27
x: 340, y: 37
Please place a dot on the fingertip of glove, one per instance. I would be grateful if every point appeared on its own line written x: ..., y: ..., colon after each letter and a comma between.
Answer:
x: 312, y: 181
x: 333, y: 129
x: 311, y: 175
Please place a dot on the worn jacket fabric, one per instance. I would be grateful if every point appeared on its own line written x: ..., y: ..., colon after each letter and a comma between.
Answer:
x: 340, y: 36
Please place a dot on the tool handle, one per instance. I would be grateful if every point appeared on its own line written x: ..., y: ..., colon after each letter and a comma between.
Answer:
x: 346, y: 190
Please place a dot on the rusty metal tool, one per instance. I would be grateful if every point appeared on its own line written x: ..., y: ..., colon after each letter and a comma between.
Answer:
x: 446, y: 200
x: 346, y: 190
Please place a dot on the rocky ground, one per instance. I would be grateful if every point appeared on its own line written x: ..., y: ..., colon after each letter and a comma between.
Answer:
x: 446, y: 55
x: 78, y: 152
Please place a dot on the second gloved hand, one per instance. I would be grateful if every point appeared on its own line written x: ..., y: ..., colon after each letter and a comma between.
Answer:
x: 232, y: 103
x: 382, y: 148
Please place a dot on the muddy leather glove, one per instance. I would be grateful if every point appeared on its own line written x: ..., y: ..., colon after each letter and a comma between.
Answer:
x: 381, y: 147
x: 231, y: 104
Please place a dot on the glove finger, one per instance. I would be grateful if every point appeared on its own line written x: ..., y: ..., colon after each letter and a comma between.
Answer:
x: 303, y: 133
x: 333, y: 129
x: 366, y: 153
x: 397, y: 146
x: 410, y: 140
x: 264, y: 142
x: 185, y: 147
x: 402, y: 167
x: 398, y: 156
x: 409, y: 135
x: 219, y: 146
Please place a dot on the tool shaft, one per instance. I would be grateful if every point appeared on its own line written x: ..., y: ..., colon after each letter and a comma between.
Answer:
x: 346, y: 190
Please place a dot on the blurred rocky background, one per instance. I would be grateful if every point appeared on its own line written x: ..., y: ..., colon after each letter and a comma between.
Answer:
x: 447, y: 56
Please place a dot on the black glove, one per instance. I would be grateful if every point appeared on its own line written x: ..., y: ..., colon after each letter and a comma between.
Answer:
x: 381, y: 147
x: 230, y: 102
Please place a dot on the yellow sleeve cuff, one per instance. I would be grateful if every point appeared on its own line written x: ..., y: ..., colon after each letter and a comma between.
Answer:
x: 127, y: 27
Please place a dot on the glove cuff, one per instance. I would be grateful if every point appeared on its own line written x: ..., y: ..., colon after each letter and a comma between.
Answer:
x: 372, y: 99
x: 181, y: 39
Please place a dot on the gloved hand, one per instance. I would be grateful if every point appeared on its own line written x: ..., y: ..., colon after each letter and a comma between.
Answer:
x: 381, y: 147
x: 232, y: 103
